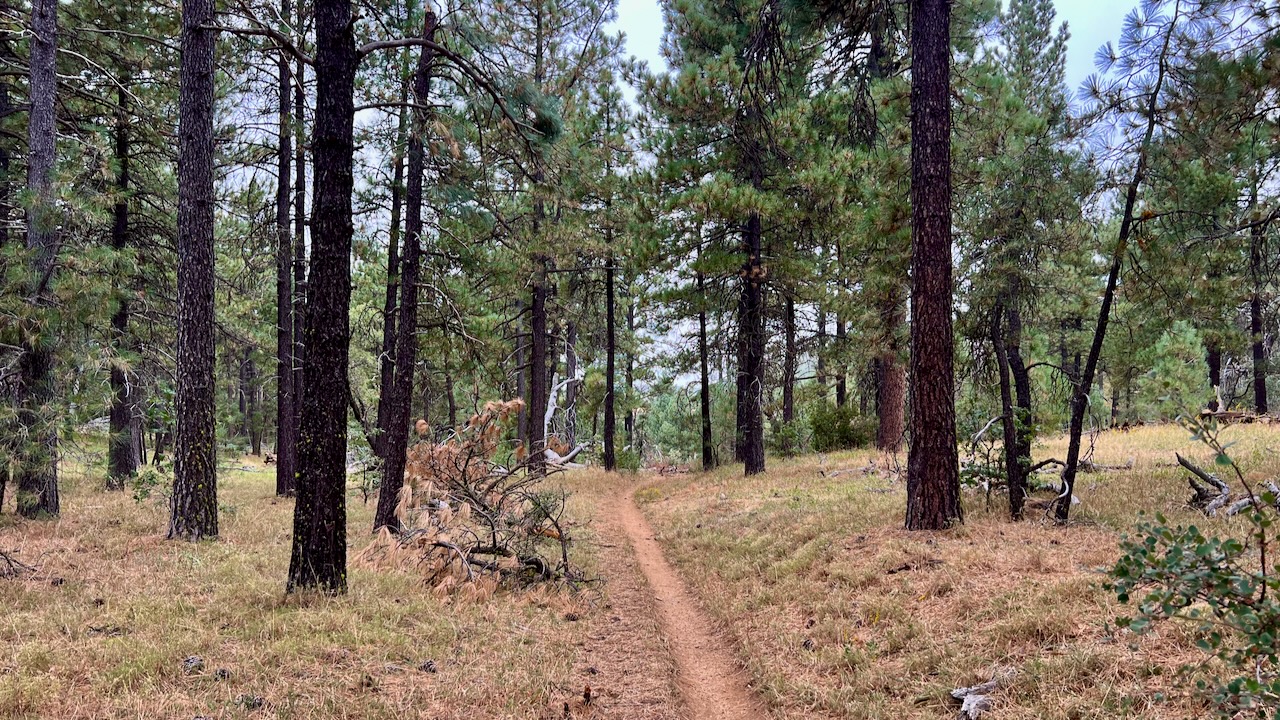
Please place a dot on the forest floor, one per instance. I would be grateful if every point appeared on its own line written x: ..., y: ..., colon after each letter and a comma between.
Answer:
x: 792, y: 594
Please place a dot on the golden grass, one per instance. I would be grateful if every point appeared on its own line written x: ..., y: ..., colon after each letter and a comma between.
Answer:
x: 839, y: 613
x: 104, y: 626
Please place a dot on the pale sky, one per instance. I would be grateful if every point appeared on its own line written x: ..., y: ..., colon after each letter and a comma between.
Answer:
x: 1092, y: 23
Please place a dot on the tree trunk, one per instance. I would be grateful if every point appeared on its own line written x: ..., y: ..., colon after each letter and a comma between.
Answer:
x: 1080, y: 395
x: 789, y: 361
x: 741, y: 382
x: 195, y: 497
x: 842, y: 370
x: 319, y: 556
x: 821, y: 370
x: 122, y: 452
x: 1006, y: 340
x: 571, y: 388
x: 708, y: 442
x: 629, y: 420
x: 933, y: 475
x: 611, y: 354
x: 1213, y: 358
x: 753, y: 274
x: 406, y: 350
x: 286, y: 420
x: 299, y: 251
x: 387, y: 360
x: 891, y: 382
x: 522, y: 377
x: 538, y: 389
x: 1256, y: 326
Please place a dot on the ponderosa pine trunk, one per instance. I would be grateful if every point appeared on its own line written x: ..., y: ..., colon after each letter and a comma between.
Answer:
x: 753, y: 276
x: 629, y: 377
x: 704, y: 370
x: 611, y: 354
x: 1015, y: 402
x: 195, y: 497
x: 387, y: 359
x: 537, y: 399
x: 122, y: 438
x: 741, y: 382
x: 821, y: 369
x: 406, y: 351
x: 1257, y: 337
x: 522, y: 376
x: 933, y: 473
x: 319, y: 555
x: 286, y: 417
x: 6, y: 210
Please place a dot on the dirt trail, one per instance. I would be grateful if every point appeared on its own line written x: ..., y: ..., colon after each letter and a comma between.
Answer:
x: 712, y: 684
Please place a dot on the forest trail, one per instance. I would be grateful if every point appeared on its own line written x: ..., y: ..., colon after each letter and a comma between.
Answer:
x: 711, y: 682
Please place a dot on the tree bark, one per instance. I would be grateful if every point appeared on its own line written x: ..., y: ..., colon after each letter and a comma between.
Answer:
x: 704, y: 393
x: 611, y: 354
x: 286, y: 418
x: 522, y: 377
x: 752, y: 329
x: 406, y: 350
x: 1015, y: 402
x: 933, y: 475
x: 299, y: 251
x: 1257, y: 327
x: 319, y: 556
x: 387, y: 359
x: 195, y: 497
x: 821, y: 370
x: 629, y: 376
x: 1213, y: 358
x: 122, y: 451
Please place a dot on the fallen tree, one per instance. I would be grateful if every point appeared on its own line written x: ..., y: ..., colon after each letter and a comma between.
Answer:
x: 1211, y: 493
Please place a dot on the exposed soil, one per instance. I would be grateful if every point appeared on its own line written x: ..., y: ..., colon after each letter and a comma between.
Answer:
x: 713, y: 686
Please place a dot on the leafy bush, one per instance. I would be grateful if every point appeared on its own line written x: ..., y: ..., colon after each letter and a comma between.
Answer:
x: 1225, y: 586
x: 840, y: 428
x: 144, y: 483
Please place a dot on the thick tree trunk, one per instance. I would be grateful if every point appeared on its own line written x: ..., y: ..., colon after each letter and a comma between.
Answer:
x: 610, y: 363
x: 754, y: 344
x: 319, y: 556
x: 704, y: 393
x: 286, y: 419
x: 891, y: 382
x: 537, y: 402
x: 122, y: 450
x: 741, y: 382
x: 406, y: 350
x: 933, y: 475
x: 387, y: 359
x: 789, y: 361
x: 195, y: 497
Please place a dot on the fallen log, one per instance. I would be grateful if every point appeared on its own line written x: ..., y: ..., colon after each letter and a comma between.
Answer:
x: 1243, y: 504
x: 1211, y: 493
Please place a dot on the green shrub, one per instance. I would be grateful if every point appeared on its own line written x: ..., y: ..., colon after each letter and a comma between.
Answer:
x: 788, y: 439
x: 840, y: 428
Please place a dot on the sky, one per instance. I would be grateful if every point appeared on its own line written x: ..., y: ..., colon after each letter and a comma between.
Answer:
x: 1092, y: 23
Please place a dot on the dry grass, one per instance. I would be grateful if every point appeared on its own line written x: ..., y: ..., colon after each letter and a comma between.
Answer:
x: 839, y: 613
x: 103, y: 628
